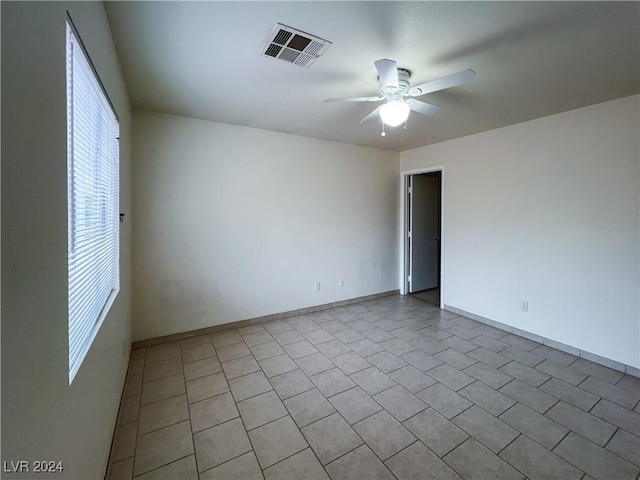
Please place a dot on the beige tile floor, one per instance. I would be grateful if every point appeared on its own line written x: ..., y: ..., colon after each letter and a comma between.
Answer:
x: 390, y: 388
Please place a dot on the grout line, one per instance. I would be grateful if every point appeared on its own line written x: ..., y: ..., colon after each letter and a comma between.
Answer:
x: 194, y: 433
x: 506, y: 446
x: 163, y: 465
x: 337, y: 412
x: 567, y: 460
x: 460, y: 444
x: 595, y: 404
x: 563, y: 437
x: 161, y: 360
x: 253, y: 449
x: 232, y: 459
x: 610, y: 451
x: 167, y: 425
x: 468, y: 408
x: 508, y: 463
x: 300, y: 428
x: 417, y: 440
x: 558, y: 400
x: 611, y: 437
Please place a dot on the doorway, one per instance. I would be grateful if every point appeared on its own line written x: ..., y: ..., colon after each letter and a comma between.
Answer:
x: 423, y: 219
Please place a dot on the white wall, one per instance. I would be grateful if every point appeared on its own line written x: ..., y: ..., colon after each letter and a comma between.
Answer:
x: 547, y: 211
x: 235, y: 223
x: 43, y: 418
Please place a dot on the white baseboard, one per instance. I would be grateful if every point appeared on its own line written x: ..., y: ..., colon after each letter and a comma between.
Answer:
x: 607, y: 362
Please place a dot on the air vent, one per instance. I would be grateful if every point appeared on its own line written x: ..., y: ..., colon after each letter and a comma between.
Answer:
x: 293, y: 46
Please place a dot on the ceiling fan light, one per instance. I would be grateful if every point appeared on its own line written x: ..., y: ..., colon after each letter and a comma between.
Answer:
x: 394, y: 113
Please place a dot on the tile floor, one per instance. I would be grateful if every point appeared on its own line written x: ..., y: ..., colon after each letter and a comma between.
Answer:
x: 431, y: 296
x: 391, y: 388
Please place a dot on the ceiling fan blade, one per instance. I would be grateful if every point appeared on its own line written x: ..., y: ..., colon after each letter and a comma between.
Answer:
x: 448, y: 81
x: 352, y: 99
x: 388, y: 72
x: 422, y: 108
x: 371, y: 115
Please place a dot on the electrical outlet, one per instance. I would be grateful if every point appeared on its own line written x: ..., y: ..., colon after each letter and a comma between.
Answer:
x: 341, y: 282
x: 524, y: 306
x: 316, y: 286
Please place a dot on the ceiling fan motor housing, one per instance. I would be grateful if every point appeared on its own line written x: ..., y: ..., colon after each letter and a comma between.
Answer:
x: 394, y: 84
x: 403, y: 84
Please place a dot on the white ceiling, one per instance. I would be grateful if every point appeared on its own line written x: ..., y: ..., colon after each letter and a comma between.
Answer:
x: 200, y: 59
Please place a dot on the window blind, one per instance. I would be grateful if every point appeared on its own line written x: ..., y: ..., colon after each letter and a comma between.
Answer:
x: 93, y: 207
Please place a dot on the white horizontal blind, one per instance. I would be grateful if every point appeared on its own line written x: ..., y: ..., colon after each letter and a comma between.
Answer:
x: 93, y: 194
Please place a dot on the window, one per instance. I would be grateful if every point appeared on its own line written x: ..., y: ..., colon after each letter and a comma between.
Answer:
x: 93, y: 209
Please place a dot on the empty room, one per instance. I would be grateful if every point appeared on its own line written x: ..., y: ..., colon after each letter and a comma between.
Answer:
x: 320, y: 240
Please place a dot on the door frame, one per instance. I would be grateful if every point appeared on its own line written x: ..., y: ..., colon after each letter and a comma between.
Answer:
x: 404, y: 227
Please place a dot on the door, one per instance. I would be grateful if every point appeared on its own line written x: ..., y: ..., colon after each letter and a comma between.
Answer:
x: 424, y: 231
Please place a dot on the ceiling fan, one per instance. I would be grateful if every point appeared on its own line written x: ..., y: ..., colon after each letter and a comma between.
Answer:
x: 395, y: 86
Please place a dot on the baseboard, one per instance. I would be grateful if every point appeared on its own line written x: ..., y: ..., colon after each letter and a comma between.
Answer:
x: 252, y: 321
x: 607, y: 362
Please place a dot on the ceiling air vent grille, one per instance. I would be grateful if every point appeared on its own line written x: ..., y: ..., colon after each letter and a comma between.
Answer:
x: 293, y: 46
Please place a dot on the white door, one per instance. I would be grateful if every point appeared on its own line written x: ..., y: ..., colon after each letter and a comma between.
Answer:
x: 424, y: 226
